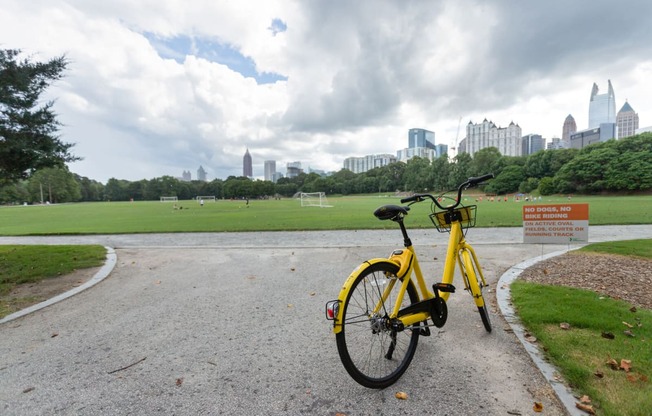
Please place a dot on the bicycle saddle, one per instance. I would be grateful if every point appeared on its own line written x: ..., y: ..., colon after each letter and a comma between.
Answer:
x: 390, y: 212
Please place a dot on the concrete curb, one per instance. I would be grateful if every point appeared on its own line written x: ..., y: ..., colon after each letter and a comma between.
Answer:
x: 504, y: 298
x: 109, y: 264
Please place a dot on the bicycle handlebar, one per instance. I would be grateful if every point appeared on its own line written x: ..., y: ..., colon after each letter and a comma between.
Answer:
x: 469, y: 182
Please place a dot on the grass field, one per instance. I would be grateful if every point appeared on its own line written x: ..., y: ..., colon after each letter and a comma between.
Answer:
x: 348, y: 212
x: 582, y: 353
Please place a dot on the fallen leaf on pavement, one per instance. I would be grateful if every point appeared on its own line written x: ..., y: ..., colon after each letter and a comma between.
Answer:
x: 179, y: 381
x: 401, y: 395
x: 538, y: 407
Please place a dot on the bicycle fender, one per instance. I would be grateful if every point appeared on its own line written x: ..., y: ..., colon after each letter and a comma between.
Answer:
x: 337, y: 326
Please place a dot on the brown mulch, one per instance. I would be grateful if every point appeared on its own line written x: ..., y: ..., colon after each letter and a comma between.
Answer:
x: 619, y: 277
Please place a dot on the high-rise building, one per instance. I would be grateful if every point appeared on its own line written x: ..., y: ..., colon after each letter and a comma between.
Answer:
x: 201, y: 174
x: 627, y: 121
x: 186, y: 176
x: 486, y: 134
x: 583, y: 138
x: 421, y: 138
x: 557, y: 143
x: 532, y: 143
x: 293, y: 169
x: 570, y: 127
x: 247, y: 169
x: 365, y: 163
x: 602, y: 107
x: 270, y: 170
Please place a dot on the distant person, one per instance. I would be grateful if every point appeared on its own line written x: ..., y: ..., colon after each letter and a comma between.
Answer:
x: 201, y: 202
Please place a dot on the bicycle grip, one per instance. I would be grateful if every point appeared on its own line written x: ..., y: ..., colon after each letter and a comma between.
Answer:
x: 479, y: 179
x: 410, y: 199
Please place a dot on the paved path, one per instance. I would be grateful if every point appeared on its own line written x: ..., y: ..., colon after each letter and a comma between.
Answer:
x: 234, y: 324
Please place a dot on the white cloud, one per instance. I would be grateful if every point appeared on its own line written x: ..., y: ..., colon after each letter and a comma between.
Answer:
x: 359, y: 75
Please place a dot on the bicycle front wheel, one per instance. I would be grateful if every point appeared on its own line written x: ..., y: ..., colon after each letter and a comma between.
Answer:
x: 475, y: 287
x: 373, y: 351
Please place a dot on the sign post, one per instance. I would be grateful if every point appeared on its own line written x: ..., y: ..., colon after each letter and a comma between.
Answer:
x: 556, y: 224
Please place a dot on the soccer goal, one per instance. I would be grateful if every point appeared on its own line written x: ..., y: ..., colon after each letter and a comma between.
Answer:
x: 169, y: 199
x: 314, y: 199
x: 206, y: 198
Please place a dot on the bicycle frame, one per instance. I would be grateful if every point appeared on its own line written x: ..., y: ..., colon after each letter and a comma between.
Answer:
x: 408, y: 265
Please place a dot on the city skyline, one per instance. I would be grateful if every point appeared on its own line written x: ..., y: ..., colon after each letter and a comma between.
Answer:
x: 174, y: 85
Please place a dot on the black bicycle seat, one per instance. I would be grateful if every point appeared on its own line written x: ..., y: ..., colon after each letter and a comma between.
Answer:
x: 389, y: 212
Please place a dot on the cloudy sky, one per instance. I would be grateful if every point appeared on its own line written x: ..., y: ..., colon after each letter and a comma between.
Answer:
x: 156, y: 87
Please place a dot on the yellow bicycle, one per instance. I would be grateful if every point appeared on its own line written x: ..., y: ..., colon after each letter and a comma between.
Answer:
x: 381, y: 311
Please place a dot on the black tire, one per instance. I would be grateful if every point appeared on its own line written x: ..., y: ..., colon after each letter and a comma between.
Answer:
x: 484, y: 314
x: 365, y: 342
x: 471, y: 275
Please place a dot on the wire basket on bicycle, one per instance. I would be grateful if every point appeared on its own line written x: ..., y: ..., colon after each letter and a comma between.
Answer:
x: 443, y: 219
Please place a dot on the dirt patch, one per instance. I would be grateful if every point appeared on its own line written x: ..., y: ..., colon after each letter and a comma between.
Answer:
x: 28, y: 294
x: 619, y: 277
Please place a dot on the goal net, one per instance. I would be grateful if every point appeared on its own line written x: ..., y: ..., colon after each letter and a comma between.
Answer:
x: 169, y: 199
x: 206, y: 198
x: 314, y: 199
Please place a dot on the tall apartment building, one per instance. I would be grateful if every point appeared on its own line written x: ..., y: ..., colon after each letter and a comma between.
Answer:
x: 186, y: 176
x: 602, y: 107
x: 627, y: 121
x: 247, y: 168
x: 270, y: 170
x: 569, y: 128
x: 508, y: 140
x: 365, y: 163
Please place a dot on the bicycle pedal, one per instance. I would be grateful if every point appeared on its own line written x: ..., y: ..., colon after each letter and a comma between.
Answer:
x: 443, y: 287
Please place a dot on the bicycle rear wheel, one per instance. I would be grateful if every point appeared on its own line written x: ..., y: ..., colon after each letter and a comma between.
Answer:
x: 475, y: 286
x: 373, y: 352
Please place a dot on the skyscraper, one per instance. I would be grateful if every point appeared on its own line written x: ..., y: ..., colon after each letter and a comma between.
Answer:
x: 602, y: 107
x: 270, y: 170
x: 421, y: 138
x: 569, y: 128
x: 201, y: 174
x: 627, y: 121
x: 247, y: 169
x: 532, y: 143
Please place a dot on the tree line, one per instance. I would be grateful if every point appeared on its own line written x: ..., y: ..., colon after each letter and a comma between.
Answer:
x: 614, y: 166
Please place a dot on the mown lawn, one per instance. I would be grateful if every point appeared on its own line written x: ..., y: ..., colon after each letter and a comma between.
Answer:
x: 348, y: 212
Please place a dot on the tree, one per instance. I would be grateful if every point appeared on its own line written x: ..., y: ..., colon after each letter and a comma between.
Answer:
x: 28, y: 128
x: 484, y: 161
x: 54, y: 185
x: 507, y: 181
x: 417, y: 175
